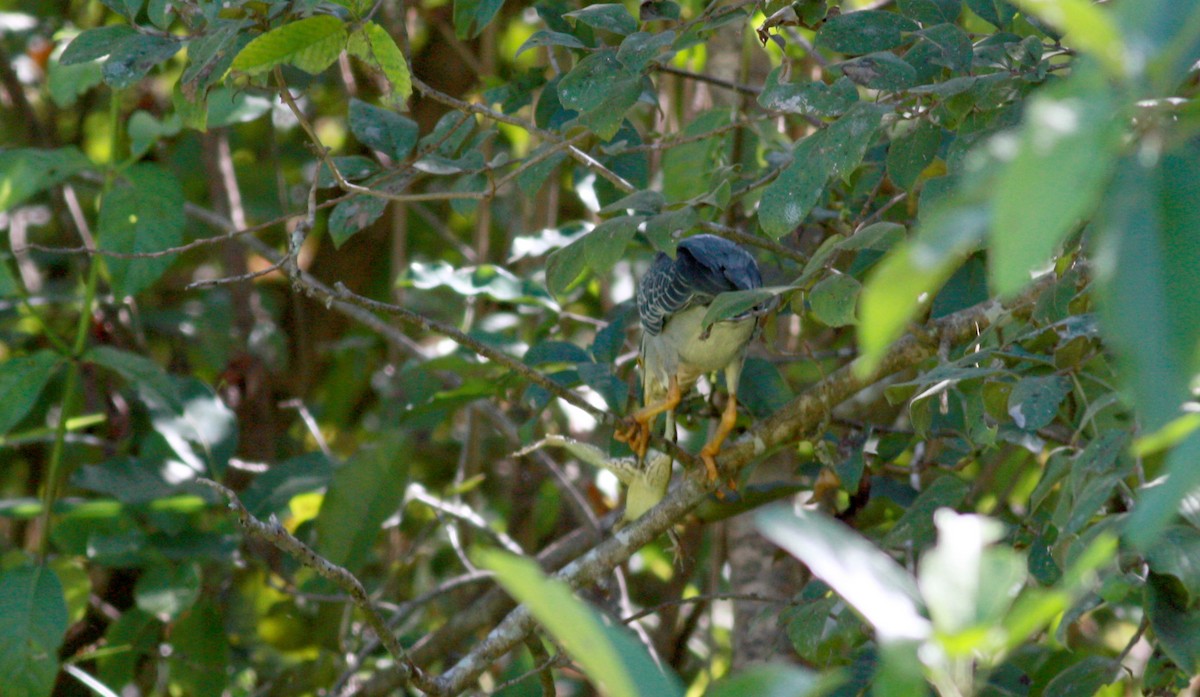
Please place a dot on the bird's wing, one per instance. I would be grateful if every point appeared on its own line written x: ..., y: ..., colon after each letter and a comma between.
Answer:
x: 665, y: 290
x: 704, y: 266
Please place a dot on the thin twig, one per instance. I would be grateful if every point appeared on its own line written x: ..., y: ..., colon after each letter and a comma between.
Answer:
x: 276, y: 535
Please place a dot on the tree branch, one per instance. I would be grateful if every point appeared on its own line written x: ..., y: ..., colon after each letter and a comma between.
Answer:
x: 800, y: 417
x: 274, y: 534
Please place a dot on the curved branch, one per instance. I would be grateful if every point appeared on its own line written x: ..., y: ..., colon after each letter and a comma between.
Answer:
x: 798, y: 418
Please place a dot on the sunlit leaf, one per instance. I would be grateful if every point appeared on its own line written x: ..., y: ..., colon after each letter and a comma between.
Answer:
x: 869, y: 580
x: 610, y: 657
x: 310, y: 44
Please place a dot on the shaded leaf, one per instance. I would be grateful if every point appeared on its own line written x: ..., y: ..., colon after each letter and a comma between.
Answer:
x: 35, y: 619
x: 22, y: 380
x: 1034, y: 401
x: 27, y: 171
x: 911, y: 153
x: 834, y: 151
x: 201, y: 651
x: 471, y: 17
x: 609, y: 17
x: 807, y: 98
x: 365, y: 491
x: 834, y: 300
x: 142, y: 213
x: 382, y: 129
x: 130, y: 60
x: 602, y: 89
x: 352, y: 215
x: 865, y: 31
x: 95, y: 43
x: 880, y: 71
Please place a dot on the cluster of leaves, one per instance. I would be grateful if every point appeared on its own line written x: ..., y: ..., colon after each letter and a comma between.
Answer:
x: 891, y: 168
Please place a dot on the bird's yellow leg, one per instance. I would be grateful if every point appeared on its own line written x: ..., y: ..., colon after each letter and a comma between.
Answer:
x: 710, y: 450
x: 637, y: 435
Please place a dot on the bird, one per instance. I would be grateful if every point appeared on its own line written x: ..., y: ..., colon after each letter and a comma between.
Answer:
x: 676, y: 348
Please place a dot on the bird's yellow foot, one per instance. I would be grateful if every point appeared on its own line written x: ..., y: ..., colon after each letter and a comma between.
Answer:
x: 635, y: 433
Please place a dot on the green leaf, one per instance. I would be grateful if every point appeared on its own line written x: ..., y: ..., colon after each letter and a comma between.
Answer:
x: 142, y: 213
x: 373, y: 45
x: 201, y: 652
x: 382, y: 129
x: 833, y: 151
x: 33, y: 617
x: 365, y: 491
x: 771, y: 680
x: 1034, y: 401
x: 997, y: 12
x: 765, y: 391
x: 471, y: 17
x: 813, y: 98
x: 689, y: 169
x: 135, y: 56
x: 128, y: 480
x: 869, y: 580
x: 880, y: 71
x: 1147, y: 269
x: 168, y: 591
x: 67, y: 83
x: 597, y: 250
x: 210, y: 55
x: 271, y: 491
x: 145, y: 131
x: 609, y: 656
x: 352, y: 215
x: 930, y: 12
x: 915, y: 526
x: 543, y: 37
x: 602, y: 89
x: 95, y: 43
x: 28, y: 171
x: 140, y: 633
x: 953, y: 46
x: 1158, y: 504
x: 911, y: 153
x: 22, y: 380
x: 639, y: 48
x: 1176, y: 555
x: 1177, y: 627
x: 1069, y: 134
x: 609, y: 17
x: 865, y: 31
x: 1087, y: 26
x: 605, y: 245
x: 139, y: 370
x: 1085, y: 678
x: 910, y: 273
x: 310, y: 44
x: 727, y: 305
x: 834, y: 300
x: 351, y: 167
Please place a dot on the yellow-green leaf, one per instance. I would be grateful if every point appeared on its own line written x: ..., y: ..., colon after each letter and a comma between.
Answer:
x: 375, y: 47
x: 311, y: 44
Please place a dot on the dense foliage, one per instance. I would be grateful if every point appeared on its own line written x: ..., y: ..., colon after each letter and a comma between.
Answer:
x: 287, y: 283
